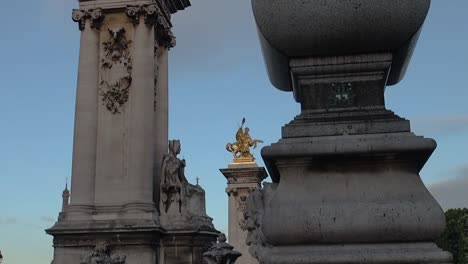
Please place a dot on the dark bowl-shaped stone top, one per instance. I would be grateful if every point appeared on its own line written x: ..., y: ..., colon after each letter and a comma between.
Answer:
x: 309, y: 28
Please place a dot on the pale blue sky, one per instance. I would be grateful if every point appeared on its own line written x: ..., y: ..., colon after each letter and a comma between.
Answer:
x: 217, y: 77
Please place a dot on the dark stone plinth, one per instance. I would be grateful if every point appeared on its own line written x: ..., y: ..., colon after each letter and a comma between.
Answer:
x: 346, y: 185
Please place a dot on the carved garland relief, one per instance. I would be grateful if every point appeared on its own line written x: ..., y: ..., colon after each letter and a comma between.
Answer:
x: 116, y: 69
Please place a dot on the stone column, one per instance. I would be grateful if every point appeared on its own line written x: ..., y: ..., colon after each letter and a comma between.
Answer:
x: 84, y: 142
x: 241, y: 179
x: 161, y: 116
x: 140, y: 163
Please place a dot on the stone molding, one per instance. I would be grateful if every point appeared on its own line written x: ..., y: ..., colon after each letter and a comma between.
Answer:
x: 96, y: 16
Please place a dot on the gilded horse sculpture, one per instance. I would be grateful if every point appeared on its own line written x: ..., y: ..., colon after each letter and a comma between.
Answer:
x: 241, y: 148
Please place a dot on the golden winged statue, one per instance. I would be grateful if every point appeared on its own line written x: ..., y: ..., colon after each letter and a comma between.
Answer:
x: 241, y: 148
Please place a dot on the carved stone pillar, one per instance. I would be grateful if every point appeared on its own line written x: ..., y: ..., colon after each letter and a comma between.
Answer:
x: 241, y: 179
x: 85, y: 135
x: 161, y: 104
x: 140, y: 163
x: 112, y: 217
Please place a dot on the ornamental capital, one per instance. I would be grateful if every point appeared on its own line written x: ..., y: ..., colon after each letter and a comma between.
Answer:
x: 152, y: 14
x: 165, y: 38
x: 96, y: 16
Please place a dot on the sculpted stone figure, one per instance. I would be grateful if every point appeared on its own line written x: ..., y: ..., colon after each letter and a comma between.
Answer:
x: 221, y: 252
x: 173, y: 176
x: 241, y: 148
x: 182, y: 203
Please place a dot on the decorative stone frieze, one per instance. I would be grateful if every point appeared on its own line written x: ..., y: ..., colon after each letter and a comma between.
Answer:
x: 95, y: 15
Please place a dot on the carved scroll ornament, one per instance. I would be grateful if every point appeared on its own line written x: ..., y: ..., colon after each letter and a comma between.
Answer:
x: 95, y: 15
x: 152, y: 15
x: 155, y: 16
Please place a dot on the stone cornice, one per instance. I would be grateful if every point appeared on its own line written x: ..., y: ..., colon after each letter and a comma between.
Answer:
x: 172, y: 6
x: 80, y: 16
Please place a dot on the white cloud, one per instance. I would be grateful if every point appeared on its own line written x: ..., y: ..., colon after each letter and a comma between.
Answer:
x: 47, y: 219
x: 11, y: 220
x: 442, y: 125
x: 452, y: 193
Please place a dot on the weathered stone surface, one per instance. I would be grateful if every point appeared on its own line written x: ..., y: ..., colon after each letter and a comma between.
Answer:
x: 114, y: 215
x: 346, y: 185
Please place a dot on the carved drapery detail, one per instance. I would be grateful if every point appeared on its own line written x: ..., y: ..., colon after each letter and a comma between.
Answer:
x: 116, y: 62
x: 101, y: 254
x: 95, y: 15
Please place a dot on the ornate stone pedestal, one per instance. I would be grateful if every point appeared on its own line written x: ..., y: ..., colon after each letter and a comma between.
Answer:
x: 241, y: 180
x: 346, y: 185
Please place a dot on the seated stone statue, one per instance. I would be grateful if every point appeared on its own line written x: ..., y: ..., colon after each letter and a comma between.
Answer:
x: 180, y: 200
